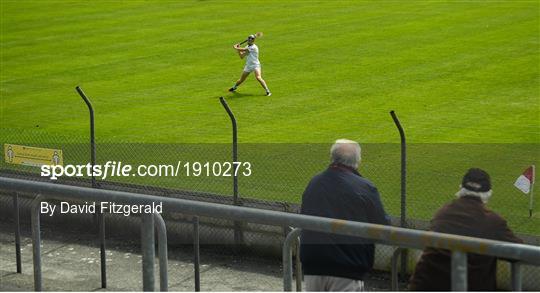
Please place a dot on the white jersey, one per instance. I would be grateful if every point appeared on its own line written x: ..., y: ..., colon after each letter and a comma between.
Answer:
x: 253, y: 56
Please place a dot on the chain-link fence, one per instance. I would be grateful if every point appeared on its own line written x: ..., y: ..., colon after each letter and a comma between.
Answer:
x: 278, y: 174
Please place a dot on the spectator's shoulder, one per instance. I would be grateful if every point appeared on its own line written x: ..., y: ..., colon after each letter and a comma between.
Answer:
x: 321, y: 175
x: 443, y: 211
x: 318, y: 178
x: 493, y: 217
x: 500, y: 227
x: 364, y: 181
x: 496, y: 220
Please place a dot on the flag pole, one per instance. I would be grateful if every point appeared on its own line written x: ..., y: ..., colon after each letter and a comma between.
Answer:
x: 531, y: 191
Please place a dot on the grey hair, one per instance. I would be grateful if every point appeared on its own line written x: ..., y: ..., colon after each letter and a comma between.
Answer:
x: 484, y: 196
x: 346, y: 152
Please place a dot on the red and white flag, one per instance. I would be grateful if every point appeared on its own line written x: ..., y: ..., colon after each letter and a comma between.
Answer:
x: 525, y: 180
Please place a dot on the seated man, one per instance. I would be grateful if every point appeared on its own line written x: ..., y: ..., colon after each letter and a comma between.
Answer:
x: 468, y: 216
x: 334, y: 262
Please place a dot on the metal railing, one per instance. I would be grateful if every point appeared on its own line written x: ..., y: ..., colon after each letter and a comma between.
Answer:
x: 459, y: 245
x: 149, y: 221
x: 394, y: 272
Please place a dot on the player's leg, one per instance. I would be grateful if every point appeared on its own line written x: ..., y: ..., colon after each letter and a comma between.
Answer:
x: 240, y: 81
x: 258, y: 76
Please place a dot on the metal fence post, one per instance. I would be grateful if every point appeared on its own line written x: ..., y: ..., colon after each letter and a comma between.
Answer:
x: 17, y: 232
x: 459, y: 271
x: 100, y: 216
x: 238, y: 234
x: 516, y: 276
x: 287, y: 258
x: 403, y: 218
x: 162, y: 252
x: 103, y: 265
x: 196, y: 254
x: 148, y: 251
x: 36, y: 242
x: 298, y: 268
x: 92, y: 131
x: 394, y: 270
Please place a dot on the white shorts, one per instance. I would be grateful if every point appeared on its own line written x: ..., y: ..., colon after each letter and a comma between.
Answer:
x: 330, y: 283
x: 251, y: 68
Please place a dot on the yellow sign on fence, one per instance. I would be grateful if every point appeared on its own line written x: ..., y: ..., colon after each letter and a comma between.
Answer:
x: 32, y: 156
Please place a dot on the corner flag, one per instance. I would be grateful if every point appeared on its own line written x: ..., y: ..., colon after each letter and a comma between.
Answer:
x: 525, y: 180
x: 525, y: 183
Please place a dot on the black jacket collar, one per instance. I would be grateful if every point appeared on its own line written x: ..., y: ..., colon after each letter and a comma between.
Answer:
x: 343, y: 168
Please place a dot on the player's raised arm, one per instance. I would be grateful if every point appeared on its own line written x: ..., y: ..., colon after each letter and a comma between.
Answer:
x: 240, y: 49
x: 242, y: 52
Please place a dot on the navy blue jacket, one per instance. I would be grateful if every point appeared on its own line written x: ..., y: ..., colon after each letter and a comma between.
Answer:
x: 340, y: 192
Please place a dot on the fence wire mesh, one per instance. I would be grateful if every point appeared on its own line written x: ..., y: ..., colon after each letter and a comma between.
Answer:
x: 279, y: 174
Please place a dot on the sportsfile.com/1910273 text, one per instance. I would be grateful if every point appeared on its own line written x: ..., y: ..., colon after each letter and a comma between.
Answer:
x: 119, y: 169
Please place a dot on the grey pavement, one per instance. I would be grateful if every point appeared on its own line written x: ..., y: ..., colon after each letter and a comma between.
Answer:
x: 71, y: 262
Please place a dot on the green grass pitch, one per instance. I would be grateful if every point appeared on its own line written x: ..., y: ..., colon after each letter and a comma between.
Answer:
x: 455, y: 72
